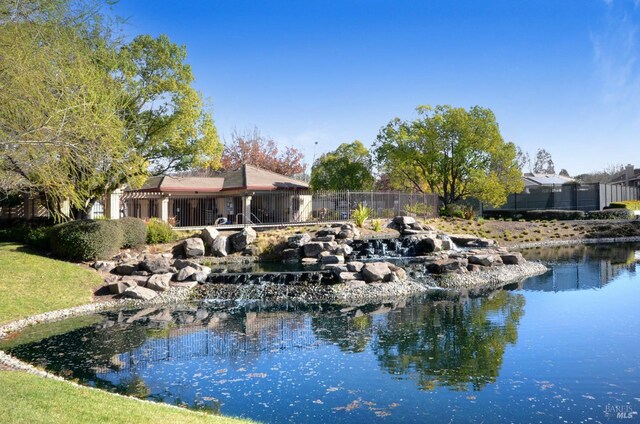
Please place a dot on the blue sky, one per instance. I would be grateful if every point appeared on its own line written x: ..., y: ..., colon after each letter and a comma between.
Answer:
x: 562, y: 75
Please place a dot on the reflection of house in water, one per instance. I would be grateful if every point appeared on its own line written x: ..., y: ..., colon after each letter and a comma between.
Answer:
x: 223, y: 335
x: 588, y: 268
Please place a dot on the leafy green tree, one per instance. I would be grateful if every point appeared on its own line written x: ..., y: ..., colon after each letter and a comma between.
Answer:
x: 454, y: 152
x: 165, y: 117
x: 81, y: 114
x: 346, y: 168
x: 60, y: 133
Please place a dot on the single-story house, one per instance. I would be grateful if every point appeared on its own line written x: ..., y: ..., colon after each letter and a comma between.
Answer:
x: 246, y: 195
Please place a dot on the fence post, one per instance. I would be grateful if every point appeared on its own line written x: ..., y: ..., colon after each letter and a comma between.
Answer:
x: 348, y: 205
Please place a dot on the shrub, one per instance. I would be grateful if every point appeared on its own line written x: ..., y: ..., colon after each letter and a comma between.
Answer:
x: 86, y: 239
x: 376, y: 225
x: 420, y: 209
x: 134, y: 231
x: 34, y: 233
x: 610, y: 214
x: 627, y: 204
x: 361, y: 214
x: 159, y: 232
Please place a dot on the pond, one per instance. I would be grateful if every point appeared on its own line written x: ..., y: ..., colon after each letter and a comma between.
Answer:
x: 561, y: 347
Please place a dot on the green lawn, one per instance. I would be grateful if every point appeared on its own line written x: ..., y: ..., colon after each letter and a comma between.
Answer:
x: 31, y: 284
x: 26, y: 398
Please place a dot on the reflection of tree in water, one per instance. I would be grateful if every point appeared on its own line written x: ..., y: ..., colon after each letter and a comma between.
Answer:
x: 351, y: 331
x: 450, y: 344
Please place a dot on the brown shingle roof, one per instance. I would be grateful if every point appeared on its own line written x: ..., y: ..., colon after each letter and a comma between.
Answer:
x: 246, y: 177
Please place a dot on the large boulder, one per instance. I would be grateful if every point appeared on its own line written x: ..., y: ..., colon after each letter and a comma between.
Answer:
x: 193, y: 247
x: 159, y: 282
x: 239, y: 241
x: 155, y: 264
x: 376, y: 271
x: 140, y: 293
x: 514, y: 258
x: 298, y: 240
x: 328, y: 231
x: 404, y: 221
x: 427, y: 245
x: 328, y: 258
x: 104, y: 266
x: 442, y: 266
x: 313, y: 249
x: 119, y: 287
x: 208, y: 235
x: 220, y: 246
x: 185, y: 273
x: 291, y: 254
x: 127, y: 268
x: 485, y: 259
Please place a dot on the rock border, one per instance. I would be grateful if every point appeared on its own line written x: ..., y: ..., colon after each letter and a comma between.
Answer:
x: 573, y: 242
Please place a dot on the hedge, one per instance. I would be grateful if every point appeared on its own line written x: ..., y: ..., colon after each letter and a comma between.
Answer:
x: 34, y: 233
x: 86, y: 239
x: 627, y: 204
x: 610, y: 214
x: 551, y: 214
x: 134, y: 231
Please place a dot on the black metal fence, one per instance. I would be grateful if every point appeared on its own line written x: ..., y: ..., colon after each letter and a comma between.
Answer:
x: 277, y: 207
x: 585, y: 197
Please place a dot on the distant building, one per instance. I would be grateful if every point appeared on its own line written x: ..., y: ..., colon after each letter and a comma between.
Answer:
x: 533, y: 180
x: 629, y: 177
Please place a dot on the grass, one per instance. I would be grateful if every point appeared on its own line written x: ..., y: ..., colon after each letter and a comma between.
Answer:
x: 31, y: 284
x: 31, y: 399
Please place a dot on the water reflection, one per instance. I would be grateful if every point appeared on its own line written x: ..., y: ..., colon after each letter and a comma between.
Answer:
x: 581, y: 267
x: 459, y: 345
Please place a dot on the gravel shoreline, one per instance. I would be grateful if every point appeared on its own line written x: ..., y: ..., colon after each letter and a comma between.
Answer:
x: 573, y: 242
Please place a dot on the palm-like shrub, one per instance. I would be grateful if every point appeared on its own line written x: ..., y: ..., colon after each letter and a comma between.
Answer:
x: 361, y: 214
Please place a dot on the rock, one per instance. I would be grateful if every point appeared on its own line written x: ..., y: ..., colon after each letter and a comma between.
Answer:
x: 104, y: 266
x: 348, y: 276
x: 313, y: 249
x: 251, y: 250
x: 126, y: 268
x: 185, y: 273
x: 183, y: 263
x: 328, y: 231
x: 344, y: 249
x: 400, y: 273
x: 355, y: 266
x: 484, y: 260
x: 208, y: 235
x: 184, y: 284
x: 328, y: 238
x: 159, y: 282
x: 140, y: 293
x: 141, y: 273
x: 298, y: 240
x: 193, y: 247
x: 241, y: 240
x: 404, y: 221
x: 376, y: 271
x: 473, y: 268
x: 155, y: 264
x: 515, y: 258
x: 309, y: 261
x: 427, y: 245
x: 291, y: 254
x: 442, y: 266
x: 118, y: 287
x: 220, y: 246
x: 346, y: 234
x: 356, y: 284
x: 200, y: 276
x: 328, y: 258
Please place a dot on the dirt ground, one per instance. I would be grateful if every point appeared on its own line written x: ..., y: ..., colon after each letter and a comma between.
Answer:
x: 509, y: 233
